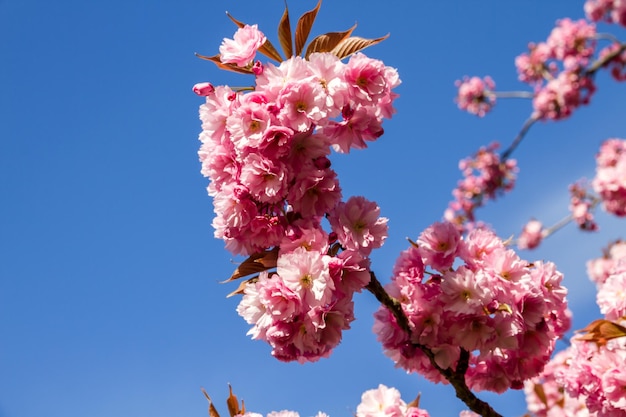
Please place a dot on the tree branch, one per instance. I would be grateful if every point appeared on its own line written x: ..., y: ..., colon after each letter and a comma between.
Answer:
x: 455, y: 377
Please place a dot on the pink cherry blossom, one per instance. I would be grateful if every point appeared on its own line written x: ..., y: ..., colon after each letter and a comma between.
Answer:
x: 439, y: 245
x: 601, y: 268
x: 242, y: 49
x: 358, y: 225
x: 301, y: 105
x: 306, y: 273
x: 476, y: 95
x: 266, y: 180
x: 485, y: 177
x: 581, y: 204
x: 359, y: 125
x: 366, y: 77
x: 572, y: 42
x: 534, y: 67
x: 203, y: 89
x: 381, y: 402
x: 531, y: 236
x: 612, y: 11
x: 611, y: 296
x: 562, y: 95
x: 610, y: 179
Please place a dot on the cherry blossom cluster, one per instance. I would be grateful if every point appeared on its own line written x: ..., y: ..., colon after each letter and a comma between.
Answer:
x: 600, y: 269
x: 473, y: 294
x: 610, y: 179
x: 617, y: 65
x: 556, y: 69
x: 485, y: 176
x: 265, y: 151
x: 609, y: 274
x: 611, y: 11
x: 386, y: 402
x: 581, y: 204
x: 545, y: 395
x: 586, y: 379
x: 476, y: 95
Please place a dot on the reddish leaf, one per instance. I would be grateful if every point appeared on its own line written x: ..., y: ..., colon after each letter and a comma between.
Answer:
x: 540, y: 393
x: 228, y: 67
x: 256, y: 263
x: 284, y: 34
x: 266, y: 49
x: 601, y: 331
x: 416, y: 402
x: 354, y: 44
x: 212, y: 410
x: 242, y: 286
x: 269, y: 51
x: 232, y: 403
x: 239, y: 23
x: 334, y: 249
x: 327, y: 41
x: 305, y: 23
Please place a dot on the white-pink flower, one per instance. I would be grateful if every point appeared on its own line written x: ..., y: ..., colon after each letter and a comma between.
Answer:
x: 531, y: 236
x: 242, y: 49
x: 381, y: 402
x: 306, y: 273
x: 612, y: 296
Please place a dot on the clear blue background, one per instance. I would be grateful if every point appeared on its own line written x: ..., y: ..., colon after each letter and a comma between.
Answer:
x: 110, y: 302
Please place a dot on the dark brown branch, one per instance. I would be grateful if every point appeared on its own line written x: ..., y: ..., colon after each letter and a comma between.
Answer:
x: 455, y: 377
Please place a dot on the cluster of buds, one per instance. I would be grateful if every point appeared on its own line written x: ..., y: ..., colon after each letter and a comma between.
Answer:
x: 581, y: 206
x: 611, y: 11
x: 474, y: 295
x: 610, y: 179
x: 265, y: 150
x: 476, y: 95
x: 485, y: 176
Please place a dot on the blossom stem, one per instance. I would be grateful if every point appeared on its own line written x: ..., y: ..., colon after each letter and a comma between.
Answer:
x: 566, y: 220
x: 518, y: 139
x: 605, y: 60
x: 240, y: 89
x: 513, y: 94
x: 455, y: 377
x: 606, y: 36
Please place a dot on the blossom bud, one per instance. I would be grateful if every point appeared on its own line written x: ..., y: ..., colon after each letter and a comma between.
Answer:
x: 257, y: 68
x: 203, y: 89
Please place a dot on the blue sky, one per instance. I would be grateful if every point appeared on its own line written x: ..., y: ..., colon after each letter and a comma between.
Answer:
x: 109, y: 297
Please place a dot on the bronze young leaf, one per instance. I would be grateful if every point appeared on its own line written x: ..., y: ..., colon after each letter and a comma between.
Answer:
x: 305, y: 23
x: 327, y: 41
x: 284, y: 34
